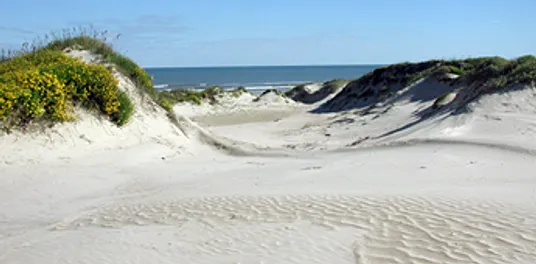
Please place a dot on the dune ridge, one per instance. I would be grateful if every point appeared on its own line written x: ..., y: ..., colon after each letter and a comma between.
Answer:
x: 412, y: 163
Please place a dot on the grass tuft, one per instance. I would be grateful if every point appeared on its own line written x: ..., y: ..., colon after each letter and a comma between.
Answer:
x: 493, y: 73
x: 46, y: 84
x: 170, y: 98
x: 125, y: 111
x: 104, y: 49
x: 456, y: 70
x: 39, y: 82
x: 334, y: 85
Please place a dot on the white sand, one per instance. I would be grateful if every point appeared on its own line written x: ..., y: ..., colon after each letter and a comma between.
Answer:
x: 450, y: 189
x: 232, y: 110
x: 91, y: 134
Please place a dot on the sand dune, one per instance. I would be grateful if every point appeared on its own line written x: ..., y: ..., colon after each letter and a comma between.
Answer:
x: 398, y: 180
x: 394, y: 230
x: 434, y: 206
x: 91, y: 133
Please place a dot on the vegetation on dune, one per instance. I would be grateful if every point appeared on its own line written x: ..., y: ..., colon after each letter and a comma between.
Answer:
x: 495, y: 70
x: 275, y: 91
x: 334, y: 85
x: 86, y: 39
x: 474, y: 75
x: 300, y: 93
x: 456, y: 70
x: 180, y: 95
x: 39, y: 82
x: 296, y: 90
x: 268, y: 91
x: 498, y: 73
x: 126, y: 109
x: 402, y: 73
x: 46, y: 84
x: 99, y: 46
x: 236, y: 92
x: 170, y: 98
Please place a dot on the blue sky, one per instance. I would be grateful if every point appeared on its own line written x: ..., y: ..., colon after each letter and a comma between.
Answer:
x: 285, y: 32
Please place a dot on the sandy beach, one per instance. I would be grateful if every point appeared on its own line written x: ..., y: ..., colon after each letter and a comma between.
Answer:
x: 267, y: 132
x: 278, y: 184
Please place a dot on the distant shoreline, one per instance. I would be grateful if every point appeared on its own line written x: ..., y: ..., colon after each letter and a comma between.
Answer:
x: 253, y: 78
x: 260, y: 66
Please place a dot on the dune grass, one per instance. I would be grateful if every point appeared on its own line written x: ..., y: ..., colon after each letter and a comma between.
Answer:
x: 39, y: 82
x: 46, y: 84
x: 496, y: 71
x: 237, y: 92
x: 125, y: 110
x: 178, y: 96
x: 296, y: 90
x: 456, y: 70
x: 499, y: 73
x: 334, y: 85
x: 331, y: 86
x: 99, y: 46
x: 490, y: 73
x: 170, y: 98
x: 86, y: 38
x: 300, y: 93
x: 275, y: 91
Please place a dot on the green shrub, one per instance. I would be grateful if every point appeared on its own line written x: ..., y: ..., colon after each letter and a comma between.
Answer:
x: 44, y: 85
x: 296, y: 90
x: 275, y: 91
x: 126, y: 108
x: 91, y: 85
x: 123, y: 64
x: 193, y: 98
x: 236, y: 92
x: 403, y: 73
x: 170, y: 98
x: 525, y: 70
x: 494, y: 73
x: 214, y: 90
x: 335, y: 85
x: 39, y: 58
x: 96, y: 42
x: 166, y: 105
x: 456, y: 70
x: 29, y: 94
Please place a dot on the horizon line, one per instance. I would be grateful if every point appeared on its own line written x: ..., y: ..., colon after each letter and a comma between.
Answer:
x: 259, y: 66
x: 342, y: 64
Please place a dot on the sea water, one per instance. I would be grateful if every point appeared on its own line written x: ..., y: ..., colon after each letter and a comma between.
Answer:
x: 256, y: 78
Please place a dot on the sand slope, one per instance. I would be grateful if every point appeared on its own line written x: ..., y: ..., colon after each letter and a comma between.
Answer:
x: 504, y: 118
x: 91, y: 133
x: 233, y: 110
x: 434, y: 205
x: 391, y: 182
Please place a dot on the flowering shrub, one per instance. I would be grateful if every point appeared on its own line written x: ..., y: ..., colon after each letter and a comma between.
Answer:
x: 30, y: 94
x: 44, y: 85
x: 98, y: 46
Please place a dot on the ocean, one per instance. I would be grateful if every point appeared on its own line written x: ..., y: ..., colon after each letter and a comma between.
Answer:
x: 256, y: 79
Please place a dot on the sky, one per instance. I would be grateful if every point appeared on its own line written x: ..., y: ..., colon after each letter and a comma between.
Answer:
x: 199, y: 33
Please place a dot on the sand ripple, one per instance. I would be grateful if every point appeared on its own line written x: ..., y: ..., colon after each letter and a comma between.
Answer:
x: 384, y: 230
